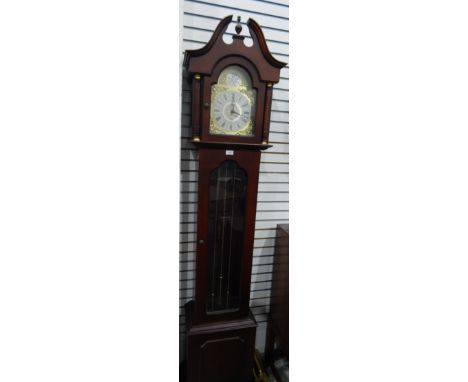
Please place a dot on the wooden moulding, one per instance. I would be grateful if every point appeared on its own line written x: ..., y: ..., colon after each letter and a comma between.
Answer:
x: 227, y: 146
x: 203, y: 60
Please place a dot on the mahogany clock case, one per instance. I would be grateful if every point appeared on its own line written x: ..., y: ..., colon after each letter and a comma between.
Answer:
x: 220, y: 327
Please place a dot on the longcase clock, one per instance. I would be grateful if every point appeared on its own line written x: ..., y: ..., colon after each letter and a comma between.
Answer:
x: 231, y: 103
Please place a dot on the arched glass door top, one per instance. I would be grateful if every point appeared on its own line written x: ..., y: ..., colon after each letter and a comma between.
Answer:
x: 227, y: 201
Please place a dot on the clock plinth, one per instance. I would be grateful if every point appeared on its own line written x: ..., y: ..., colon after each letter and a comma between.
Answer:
x: 231, y: 104
x: 220, y: 351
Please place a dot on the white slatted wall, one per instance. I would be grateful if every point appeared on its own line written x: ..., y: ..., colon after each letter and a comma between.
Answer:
x: 199, y: 19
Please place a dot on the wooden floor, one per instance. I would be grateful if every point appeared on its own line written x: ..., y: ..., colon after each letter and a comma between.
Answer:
x: 182, y: 377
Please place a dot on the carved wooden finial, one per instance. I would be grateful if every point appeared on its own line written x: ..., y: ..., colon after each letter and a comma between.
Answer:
x: 238, y: 25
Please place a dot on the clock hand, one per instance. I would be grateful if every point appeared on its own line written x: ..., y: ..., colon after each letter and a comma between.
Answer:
x: 233, y: 105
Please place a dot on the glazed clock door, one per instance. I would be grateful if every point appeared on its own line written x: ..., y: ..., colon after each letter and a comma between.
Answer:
x: 233, y: 103
x: 227, y: 201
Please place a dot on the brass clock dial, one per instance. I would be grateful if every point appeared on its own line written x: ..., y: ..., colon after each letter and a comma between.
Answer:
x: 232, y: 103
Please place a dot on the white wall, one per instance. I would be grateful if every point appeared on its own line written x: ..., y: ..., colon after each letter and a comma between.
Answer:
x: 199, y: 19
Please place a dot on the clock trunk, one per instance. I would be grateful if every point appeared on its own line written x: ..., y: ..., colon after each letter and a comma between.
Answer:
x: 227, y: 198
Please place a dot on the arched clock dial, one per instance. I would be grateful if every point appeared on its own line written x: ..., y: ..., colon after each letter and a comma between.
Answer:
x: 232, y: 103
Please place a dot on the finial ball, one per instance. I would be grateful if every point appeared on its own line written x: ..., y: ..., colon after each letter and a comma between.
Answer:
x: 238, y: 25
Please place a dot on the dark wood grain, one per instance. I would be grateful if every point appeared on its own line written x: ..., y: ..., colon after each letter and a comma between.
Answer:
x: 233, y: 145
x: 196, y: 107
x: 220, y: 351
x: 266, y: 118
x: 277, y: 341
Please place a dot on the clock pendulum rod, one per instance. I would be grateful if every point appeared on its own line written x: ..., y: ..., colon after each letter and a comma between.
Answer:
x: 222, y: 236
x: 233, y: 198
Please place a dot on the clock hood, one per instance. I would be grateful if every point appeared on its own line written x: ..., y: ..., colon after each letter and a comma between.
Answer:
x: 195, y: 61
